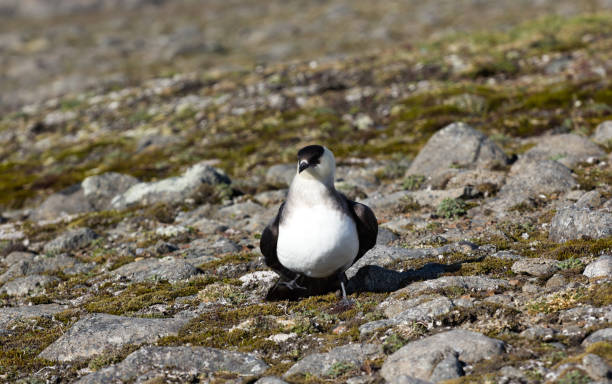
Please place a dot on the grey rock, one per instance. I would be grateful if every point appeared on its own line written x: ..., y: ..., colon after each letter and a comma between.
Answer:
x: 449, y: 368
x: 603, y: 133
x: 403, y: 379
x: 586, y: 314
x: 422, y: 312
x: 467, y: 102
x: 271, y: 197
x: 420, y: 358
x: 27, y: 285
x: 99, y: 333
x: 43, y: 264
x: 591, y: 199
x: 240, y: 211
x: 320, y: 364
x: 384, y: 200
x: 167, y: 268
x: 382, y: 255
x: 171, y: 190
x: 15, y: 257
x: 568, y: 149
x: 209, y: 226
x: 470, y: 283
x: 385, y: 236
x: 602, y: 267
x: 69, y: 201
x: 457, y: 143
x: 151, y: 362
x: 476, y: 178
x: 71, y: 241
x: 99, y: 190
x: 596, y: 367
x: 506, y: 255
x: 577, y: 223
x: 539, y: 333
x: 280, y: 175
x: 270, y: 380
x: 433, y: 198
x: 10, y: 314
x: 537, y: 267
x: 597, y: 336
x: 529, y: 180
x: 556, y: 281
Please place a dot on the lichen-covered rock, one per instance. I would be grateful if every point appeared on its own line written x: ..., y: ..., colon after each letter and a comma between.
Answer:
x: 351, y: 356
x: 603, y: 134
x: 71, y: 241
x: 43, y: 264
x: 602, y: 267
x: 9, y: 314
x: 577, y: 223
x: 150, y: 363
x: 568, y: 149
x: 99, y: 333
x: 538, y: 267
x: 171, y: 190
x: 167, y: 268
x: 470, y: 283
x: 68, y: 201
x: 99, y: 190
x: 597, y: 336
x: 280, y: 175
x: 435, y: 357
x: 457, y: 143
x: 27, y: 285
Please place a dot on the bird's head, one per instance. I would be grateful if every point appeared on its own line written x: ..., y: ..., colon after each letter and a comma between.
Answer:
x: 318, y: 162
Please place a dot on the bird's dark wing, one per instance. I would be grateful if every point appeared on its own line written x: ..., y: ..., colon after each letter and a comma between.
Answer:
x: 367, y: 226
x: 267, y: 244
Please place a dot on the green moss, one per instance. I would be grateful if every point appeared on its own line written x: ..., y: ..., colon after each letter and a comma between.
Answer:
x: 139, y: 296
x: 451, y: 208
x: 413, y: 182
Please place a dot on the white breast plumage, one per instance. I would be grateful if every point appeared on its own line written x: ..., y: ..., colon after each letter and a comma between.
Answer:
x: 317, y: 240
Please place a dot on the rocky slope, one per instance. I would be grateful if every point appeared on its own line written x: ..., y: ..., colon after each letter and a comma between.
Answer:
x: 131, y: 218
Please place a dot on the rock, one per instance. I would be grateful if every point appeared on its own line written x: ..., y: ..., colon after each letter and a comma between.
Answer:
x: 603, y: 134
x: 71, y: 241
x: 385, y: 236
x: 457, y: 143
x: 271, y: 197
x: 602, y: 267
x: 556, y: 281
x: 528, y: 180
x: 69, y: 201
x: 433, y: 198
x: 537, y: 267
x: 280, y: 175
x: 467, y: 102
x: 568, y: 149
x: 403, y: 379
x: 322, y: 364
x: 208, y: 226
x: 481, y: 180
x: 577, y: 223
x: 469, y: 283
x: 270, y: 380
x: 149, y: 363
x: 15, y: 257
x: 172, y: 190
x: 99, y: 333
x: 383, y: 200
x: 167, y: 268
x: 10, y: 314
x: 597, y: 367
x: 422, y: 312
x: 240, y: 211
x: 258, y: 280
x: 591, y: 199
x: 99, y: 190
x: 587, y: 315
x: 539, y: 333
x: 382, y: 255
x: 42, y: 264
x: 597, y: 336
x: 27, y: 285
x: 421, y: 359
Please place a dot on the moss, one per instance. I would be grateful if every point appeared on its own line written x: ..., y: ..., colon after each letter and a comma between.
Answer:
x: 114, y: 357
x: 451, y: 208
x: 602, y: 349
x: 162, y: 212
x: 140, y: 296
x: 413, y: 182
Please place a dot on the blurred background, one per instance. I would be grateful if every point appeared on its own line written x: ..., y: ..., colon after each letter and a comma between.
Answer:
x: 51, y: 47
x: 149, y: 87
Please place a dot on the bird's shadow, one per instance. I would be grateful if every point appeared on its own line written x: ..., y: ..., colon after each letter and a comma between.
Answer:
x: 372, y: 278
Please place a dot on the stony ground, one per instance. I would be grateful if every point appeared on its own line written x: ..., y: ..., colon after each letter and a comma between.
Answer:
x: 131, y: 212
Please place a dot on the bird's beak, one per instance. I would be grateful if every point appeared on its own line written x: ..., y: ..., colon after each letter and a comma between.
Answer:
x: 303, y: 165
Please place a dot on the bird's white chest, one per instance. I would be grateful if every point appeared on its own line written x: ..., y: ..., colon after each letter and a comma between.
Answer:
x: 317, y: 241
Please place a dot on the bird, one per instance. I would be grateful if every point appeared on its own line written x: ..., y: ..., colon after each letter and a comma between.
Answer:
x: 317, y: 234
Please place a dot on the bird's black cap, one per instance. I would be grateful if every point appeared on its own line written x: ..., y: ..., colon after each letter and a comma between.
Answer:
x: 309, y: 156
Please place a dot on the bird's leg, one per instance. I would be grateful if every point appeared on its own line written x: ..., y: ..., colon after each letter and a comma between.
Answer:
x: 345, y: 303
x: 293, y: 284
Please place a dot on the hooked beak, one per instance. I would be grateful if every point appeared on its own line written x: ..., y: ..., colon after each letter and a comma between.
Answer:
x: 303, y: 165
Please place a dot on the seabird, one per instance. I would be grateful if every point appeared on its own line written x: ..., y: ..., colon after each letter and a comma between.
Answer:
x: 318, y: 232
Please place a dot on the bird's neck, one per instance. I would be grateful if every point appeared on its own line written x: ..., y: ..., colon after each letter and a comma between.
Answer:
x: 310, y: 190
